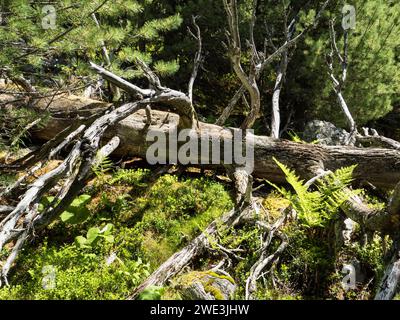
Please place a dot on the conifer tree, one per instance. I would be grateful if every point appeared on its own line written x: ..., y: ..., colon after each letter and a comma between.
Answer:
x: 373, y: 79
x: 60, y: 38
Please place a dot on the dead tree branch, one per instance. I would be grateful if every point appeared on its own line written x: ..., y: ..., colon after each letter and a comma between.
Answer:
x: 198, y: 59
x: 338, y: 85
x: 390, y: 280
x: 249, y: 80
x: 114, y: 89
x: 265, y: 61
x: 175, y: 263
x: 281, y: 75
x: 265, y: 259
x: 173, y: 98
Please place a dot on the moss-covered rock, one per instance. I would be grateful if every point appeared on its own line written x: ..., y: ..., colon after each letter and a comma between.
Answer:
x: 205, y: 285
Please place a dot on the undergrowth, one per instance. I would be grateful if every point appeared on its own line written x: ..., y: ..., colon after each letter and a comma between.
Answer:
x: 125, y: 224
x: 127, y: 227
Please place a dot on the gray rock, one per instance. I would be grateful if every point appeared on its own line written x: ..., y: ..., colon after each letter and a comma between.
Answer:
x: 207, y: 285
x: 325, y: 132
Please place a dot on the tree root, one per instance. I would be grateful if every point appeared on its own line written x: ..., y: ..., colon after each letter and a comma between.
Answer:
x: 265, y: 259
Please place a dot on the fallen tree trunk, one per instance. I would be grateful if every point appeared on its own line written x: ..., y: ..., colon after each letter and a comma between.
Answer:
x: 379, y: 166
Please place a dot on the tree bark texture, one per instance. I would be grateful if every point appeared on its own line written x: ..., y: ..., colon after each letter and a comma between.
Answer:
x: 379, y: 166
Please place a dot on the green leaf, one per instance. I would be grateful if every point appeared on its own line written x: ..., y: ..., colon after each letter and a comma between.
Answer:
x: 47, y: 200
x: 107, y: 229
x: 75, y: 216
x: 66, y: 216
x: 80, y: 201
x: 77, y: 211
x: 151, y: 293
x: 109, y: 238
x: 81, y: 242
x: 93, y: 235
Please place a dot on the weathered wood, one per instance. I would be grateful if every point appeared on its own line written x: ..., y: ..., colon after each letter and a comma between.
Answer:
x: 6, y: 209
x: 180, y: 259
x: 378, y: 141
x: 248, y: 80
x: 179, y: 101
x: 390, y: 280
x: 265, y: 258
x: 263, y: 61
x: 76, y: 168
x: 378, y: 166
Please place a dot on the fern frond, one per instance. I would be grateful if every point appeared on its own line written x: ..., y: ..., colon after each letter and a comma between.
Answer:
x: 307, y: 204
x: 102, y: 166
x: 332, y: 187
x: 315, y: 208
x: 130, y: 176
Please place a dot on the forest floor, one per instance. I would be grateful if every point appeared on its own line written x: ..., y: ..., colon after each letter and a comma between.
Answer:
x: 126, y: 223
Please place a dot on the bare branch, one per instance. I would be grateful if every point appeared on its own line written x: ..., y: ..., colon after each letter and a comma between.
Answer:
x: 248, y: 80
x: 391, y: 278
x: 337, y: 85
x: 198, y: 58
x: 118, y: 81
x: 150, y: 75
x: 266, y: 61
x: 265, y: 259
x: 106, y: 57
x: 377, y: 140
x: 394, y: 202
x: 280, y: 76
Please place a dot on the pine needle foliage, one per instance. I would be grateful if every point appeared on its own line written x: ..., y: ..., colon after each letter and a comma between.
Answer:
x: 126, y: 28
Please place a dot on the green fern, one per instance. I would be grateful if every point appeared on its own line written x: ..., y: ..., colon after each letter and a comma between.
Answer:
x: 296, y: 138
x: 315, y: 208
x: 333, y: 187
x: 102, y: 166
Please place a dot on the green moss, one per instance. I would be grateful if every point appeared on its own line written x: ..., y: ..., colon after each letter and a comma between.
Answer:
x: 220, y: 276
x: 6, y: 179
x: 173, y: 212
x: 372, y: 255
x: 274, y: 203
x: 274, y: 294
x: 190, y: 277
x: 215, y: 292
x: 72, y: 273
x: 206, y: 279
x: 151, y: 222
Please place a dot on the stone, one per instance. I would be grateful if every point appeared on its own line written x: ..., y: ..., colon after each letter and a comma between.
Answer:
x: 325, y: 133
x: 205, y: 285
